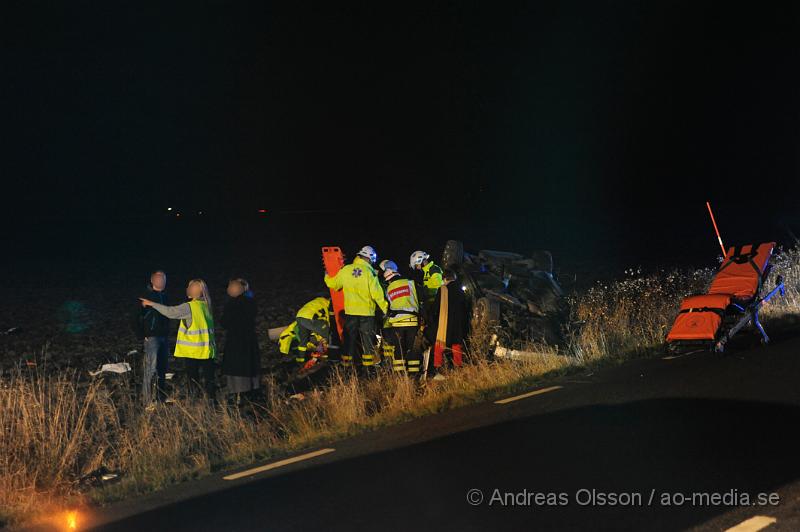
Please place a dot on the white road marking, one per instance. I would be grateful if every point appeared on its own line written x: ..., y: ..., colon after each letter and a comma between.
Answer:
x: 526, y: 395
x: 672, y: 357
x: 753, y: 524
x: 278, y: 464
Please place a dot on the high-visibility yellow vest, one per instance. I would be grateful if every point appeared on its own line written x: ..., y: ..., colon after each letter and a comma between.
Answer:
x: 403, y: 304
x: 362, y: 290
x: 198, y: 340
x: 316, y: 309
x: 432, y: 279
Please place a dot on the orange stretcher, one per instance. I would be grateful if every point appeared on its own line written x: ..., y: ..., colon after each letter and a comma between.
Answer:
x: 732, y: 301
x: 333, y: 260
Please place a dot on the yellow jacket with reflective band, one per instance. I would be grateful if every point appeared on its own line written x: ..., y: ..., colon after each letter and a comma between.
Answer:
x: 198, y: 340
x: 316, y: 309
x: 362, y: 290
x: 432, y: 279
x: 403, y: 304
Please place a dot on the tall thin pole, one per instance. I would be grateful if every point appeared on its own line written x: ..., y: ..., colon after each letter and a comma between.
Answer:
x: 713, y: 221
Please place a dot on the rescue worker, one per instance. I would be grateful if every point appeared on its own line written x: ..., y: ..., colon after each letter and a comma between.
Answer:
x: 431, y: 275
x: 289, y: 343
x: 313, y: 318
x: 362, y: 293
x: 401, y: 324
x: 195, y: 343
x: 382, y: 274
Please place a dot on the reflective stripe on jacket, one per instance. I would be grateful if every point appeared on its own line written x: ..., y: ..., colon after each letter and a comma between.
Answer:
x: 403, y: 304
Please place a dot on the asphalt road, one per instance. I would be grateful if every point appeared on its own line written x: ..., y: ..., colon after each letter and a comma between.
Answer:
x: 639, y: 435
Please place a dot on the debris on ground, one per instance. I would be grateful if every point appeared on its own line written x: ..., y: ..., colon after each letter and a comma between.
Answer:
x: 513, y: 354
x: 117, y: 367
x: 101, y: 475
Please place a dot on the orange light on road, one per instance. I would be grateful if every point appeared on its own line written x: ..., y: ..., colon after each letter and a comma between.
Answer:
x: 72, y: 520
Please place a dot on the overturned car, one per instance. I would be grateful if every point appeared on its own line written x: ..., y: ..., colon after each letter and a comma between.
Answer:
x: 515, y: 296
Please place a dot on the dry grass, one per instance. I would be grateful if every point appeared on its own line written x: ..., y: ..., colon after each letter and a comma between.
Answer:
x: 57, y: 428
x: 632, y: 315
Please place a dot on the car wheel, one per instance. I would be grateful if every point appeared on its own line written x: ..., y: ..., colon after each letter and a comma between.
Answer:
x: 453, y: 254
x: 486, y: 311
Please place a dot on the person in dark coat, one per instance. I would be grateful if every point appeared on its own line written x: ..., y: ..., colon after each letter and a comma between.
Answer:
x: 449, y: 322
x: 241, y: 361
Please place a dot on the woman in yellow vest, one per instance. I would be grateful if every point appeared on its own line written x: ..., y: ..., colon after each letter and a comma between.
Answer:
x: 195, y: 343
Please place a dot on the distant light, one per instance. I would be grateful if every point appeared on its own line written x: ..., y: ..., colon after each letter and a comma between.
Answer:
x: 463, y: 288
x: 262, y: 211
x: 199, y: 212
x: 169, y: 208
x: 178, y: 215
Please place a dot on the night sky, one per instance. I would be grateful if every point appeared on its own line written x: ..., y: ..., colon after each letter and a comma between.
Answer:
x: 595, y: 120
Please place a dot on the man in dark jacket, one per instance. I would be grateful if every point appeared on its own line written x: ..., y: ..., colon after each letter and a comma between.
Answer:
x: 153, y: 329
x: 448, y: 324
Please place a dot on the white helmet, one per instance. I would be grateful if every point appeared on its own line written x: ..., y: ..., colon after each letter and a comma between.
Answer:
x: 417, y: 258
x: 368, y: 252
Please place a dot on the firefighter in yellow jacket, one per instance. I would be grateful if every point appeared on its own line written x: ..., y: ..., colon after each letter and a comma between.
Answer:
x: 431, y: 275
x: 402, y: 322
x: 313, y: 318
x: 289, y: 343
x: 195, y: 343
x: 362, y: 293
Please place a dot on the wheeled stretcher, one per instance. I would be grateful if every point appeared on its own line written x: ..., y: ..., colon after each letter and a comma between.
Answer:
x: 733, y: 300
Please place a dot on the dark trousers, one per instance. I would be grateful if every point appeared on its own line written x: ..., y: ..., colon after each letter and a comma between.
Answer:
x: 400, y: 341
x: 305, y: 327
x: 360, y: 338
x: 201, y: 376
